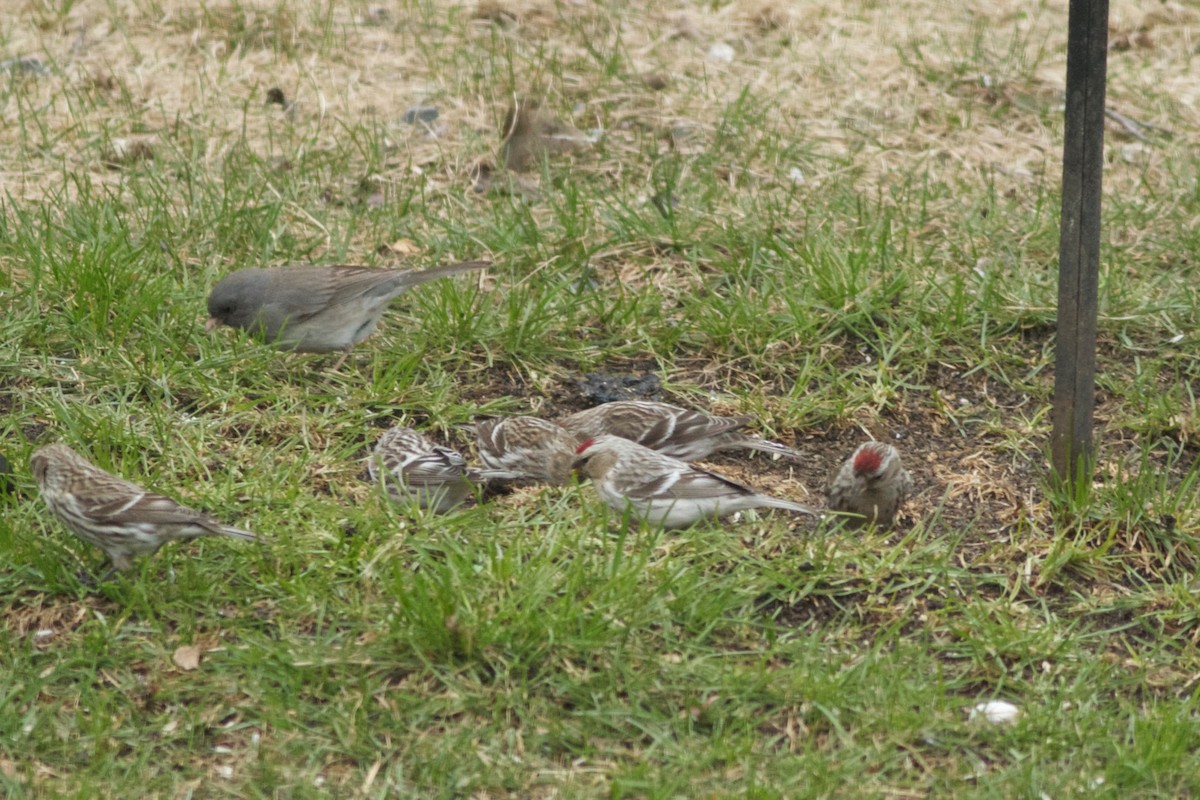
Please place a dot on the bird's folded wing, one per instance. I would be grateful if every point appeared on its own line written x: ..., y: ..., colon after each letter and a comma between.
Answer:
x: 693, y: 425
x: 148, y: 507
x: 383, y: 284
x: 435, y: 469
x: 694, y: 484
x: 303, y: 291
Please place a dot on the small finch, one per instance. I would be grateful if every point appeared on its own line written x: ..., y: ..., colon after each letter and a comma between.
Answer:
x: 671, y: 430
x: 531, y: 134
x: 315, y: 309
x: 118, y: 516
x: 525, y: 448
x: 663, y: 490
x: 870, y: 485
x: 414, y: 468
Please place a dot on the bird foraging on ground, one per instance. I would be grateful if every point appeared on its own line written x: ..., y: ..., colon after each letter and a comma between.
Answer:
x: 118, y: 516
x: 412, y: 468
x: 315, y: 309
x: 531, y: 134
x: 663, y: 490
x: 870, y: 485
x: 673, y: 431
x: 525, y: 448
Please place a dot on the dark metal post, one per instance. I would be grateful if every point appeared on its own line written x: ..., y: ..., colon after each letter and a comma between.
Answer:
x: 1079, y: 245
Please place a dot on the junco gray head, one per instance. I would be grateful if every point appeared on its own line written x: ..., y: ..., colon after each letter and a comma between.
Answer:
x: 315, y: 309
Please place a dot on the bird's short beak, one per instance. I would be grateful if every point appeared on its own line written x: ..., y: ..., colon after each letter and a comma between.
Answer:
x: 213, y: 322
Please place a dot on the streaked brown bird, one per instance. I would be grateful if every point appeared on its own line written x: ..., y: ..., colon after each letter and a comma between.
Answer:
x: 665, y: 491
x: 118, y: 516
x: 412, y: 468
x: 673, y: 431
x: 525, y: 449
x: 870, y: 485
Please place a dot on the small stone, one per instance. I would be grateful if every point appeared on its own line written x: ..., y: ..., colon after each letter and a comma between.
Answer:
x: 656, y: 81
x: 599, y: 388
x: 377, y: 15
x: 28, y: 65
x: 481, y: 176
x: 125, y: 152
x: 664, y: 202
x: 420, y: 114
x: 997, y: 712
x: 721, y: 53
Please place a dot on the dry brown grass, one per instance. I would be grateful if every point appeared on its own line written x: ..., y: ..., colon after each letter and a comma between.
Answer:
x: 969, y: 89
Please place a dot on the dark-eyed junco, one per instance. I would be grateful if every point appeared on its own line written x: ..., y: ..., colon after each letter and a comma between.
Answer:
x: 315, y: 309
x: 118, y: 516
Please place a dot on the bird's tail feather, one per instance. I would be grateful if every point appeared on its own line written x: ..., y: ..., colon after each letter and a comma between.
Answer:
x: 237, y: 533
x: 788, y: 505
x: 774, y: 448
x: 443, y: 271
x: 498, y: 475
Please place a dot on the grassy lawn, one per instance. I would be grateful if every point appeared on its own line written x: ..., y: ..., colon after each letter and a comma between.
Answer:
x: 839, y: 217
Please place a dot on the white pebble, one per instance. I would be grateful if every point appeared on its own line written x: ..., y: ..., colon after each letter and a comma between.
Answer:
x: 722, y: 53
x: 996, y: 712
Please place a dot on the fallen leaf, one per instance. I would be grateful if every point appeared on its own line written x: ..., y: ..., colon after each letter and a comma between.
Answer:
x: 187, y: 657
x: 404, y: 247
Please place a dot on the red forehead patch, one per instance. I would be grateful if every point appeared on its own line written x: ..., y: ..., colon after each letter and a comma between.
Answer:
x: 584, y: 445
x: 868, y: 459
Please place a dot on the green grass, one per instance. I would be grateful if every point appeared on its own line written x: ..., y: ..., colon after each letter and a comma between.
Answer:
x: 841, y: 252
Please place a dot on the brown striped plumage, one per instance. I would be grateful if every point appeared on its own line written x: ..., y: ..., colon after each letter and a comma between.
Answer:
x: 665, y: 491
x: 118, y: 516
x: 673, y: 431
x: 413, y: 468
x: 525, y: 448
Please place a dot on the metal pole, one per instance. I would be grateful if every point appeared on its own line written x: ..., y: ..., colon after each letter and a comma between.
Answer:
x: 1079, y: 245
